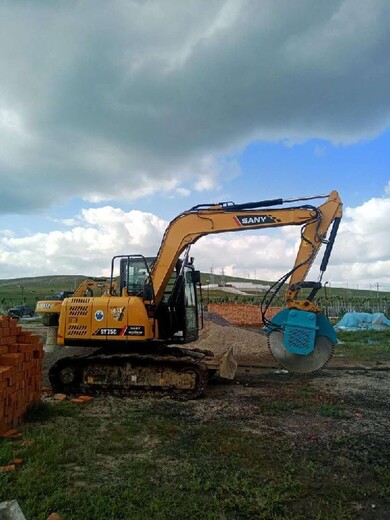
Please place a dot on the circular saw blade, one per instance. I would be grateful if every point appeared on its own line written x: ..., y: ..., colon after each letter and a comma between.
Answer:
x: 297, y: 363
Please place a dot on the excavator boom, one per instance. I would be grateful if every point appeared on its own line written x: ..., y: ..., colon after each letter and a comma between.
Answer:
x: 203, y: 220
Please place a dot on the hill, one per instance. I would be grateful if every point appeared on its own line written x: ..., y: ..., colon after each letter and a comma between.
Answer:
x: 32, y: 289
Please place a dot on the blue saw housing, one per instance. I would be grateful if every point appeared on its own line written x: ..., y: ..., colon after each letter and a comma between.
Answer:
x: 300, y: 332
x: 301, y: 329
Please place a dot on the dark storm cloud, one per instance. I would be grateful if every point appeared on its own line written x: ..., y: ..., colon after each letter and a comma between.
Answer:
x: 121, y: 99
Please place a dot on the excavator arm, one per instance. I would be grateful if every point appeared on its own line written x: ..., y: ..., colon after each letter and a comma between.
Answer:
x: 203, y: 220
x: 300, y: 337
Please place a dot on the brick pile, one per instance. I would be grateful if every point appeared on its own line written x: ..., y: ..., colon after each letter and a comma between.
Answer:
x: 21, y: 356
x: 242, y: 314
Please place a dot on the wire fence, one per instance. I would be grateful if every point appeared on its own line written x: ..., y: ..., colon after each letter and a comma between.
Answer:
x: 339, y: 306
x: 334, y: 307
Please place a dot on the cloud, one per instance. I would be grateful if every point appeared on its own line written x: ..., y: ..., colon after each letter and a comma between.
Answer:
x: 360, y: 255
x: 245, y: 253
x: 86, y: 248
x: 362, y: 251
x: 183, y: 192
x: 120, y: 100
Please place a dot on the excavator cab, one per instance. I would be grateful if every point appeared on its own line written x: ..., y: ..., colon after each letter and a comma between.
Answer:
x: 183, y: 305
x: 134, y: 277
x: 177, y: 314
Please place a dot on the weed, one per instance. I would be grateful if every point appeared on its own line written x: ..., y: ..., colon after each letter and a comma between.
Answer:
x: 307, y: 391
x: 278, y: 407
x: 328, y: 410
x: 41, y: 411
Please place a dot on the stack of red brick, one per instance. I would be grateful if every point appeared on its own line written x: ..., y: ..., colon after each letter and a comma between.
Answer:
x: 21, y: 356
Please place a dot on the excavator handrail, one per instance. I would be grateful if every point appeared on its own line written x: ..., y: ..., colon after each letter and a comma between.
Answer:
x: 232, y: 206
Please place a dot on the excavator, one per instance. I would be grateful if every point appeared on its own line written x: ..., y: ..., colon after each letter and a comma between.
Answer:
x: 151, y: 310
x: 50, y: 308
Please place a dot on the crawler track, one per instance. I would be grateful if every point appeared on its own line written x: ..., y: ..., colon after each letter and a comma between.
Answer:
x: 176, y: 373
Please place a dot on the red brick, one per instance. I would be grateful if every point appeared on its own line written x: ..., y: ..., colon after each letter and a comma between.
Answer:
x: 26, y: 337
x: 20, y: 374
x: 11, y: 359
x: 4, y: 372
x: 8, y: 433
x: 59, y: 397
x: 3, y: 426
x: 10, y: 467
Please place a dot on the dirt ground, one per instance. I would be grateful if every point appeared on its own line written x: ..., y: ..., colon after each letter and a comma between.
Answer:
x: 249, y: 346
x: 342, y: 415
x: 363, y: 393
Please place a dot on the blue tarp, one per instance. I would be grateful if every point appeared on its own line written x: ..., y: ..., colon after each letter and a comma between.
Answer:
x: 363, y: 321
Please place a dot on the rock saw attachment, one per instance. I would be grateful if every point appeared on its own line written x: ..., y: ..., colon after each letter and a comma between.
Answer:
x: 301, y: 342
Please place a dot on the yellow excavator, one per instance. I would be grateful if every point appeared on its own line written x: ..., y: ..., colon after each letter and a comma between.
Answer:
x: 50, y: 308
x: 151, y: 306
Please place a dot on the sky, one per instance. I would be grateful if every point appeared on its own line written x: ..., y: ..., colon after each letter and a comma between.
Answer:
x: 117, y: 116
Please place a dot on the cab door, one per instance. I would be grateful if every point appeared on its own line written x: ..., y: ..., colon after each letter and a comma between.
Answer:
x: 191, y: 307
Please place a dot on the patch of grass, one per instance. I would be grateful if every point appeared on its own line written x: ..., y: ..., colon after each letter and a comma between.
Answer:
x: 153, y: 460
x: 382, y: 475
x: 6, y: 453
x: 364, y: 346
x: 328, y: 410
x: 44, y: 411
x: 307, y: 391
x: 278, y: 407
x: 361, y: 336
x: 305, y: 400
